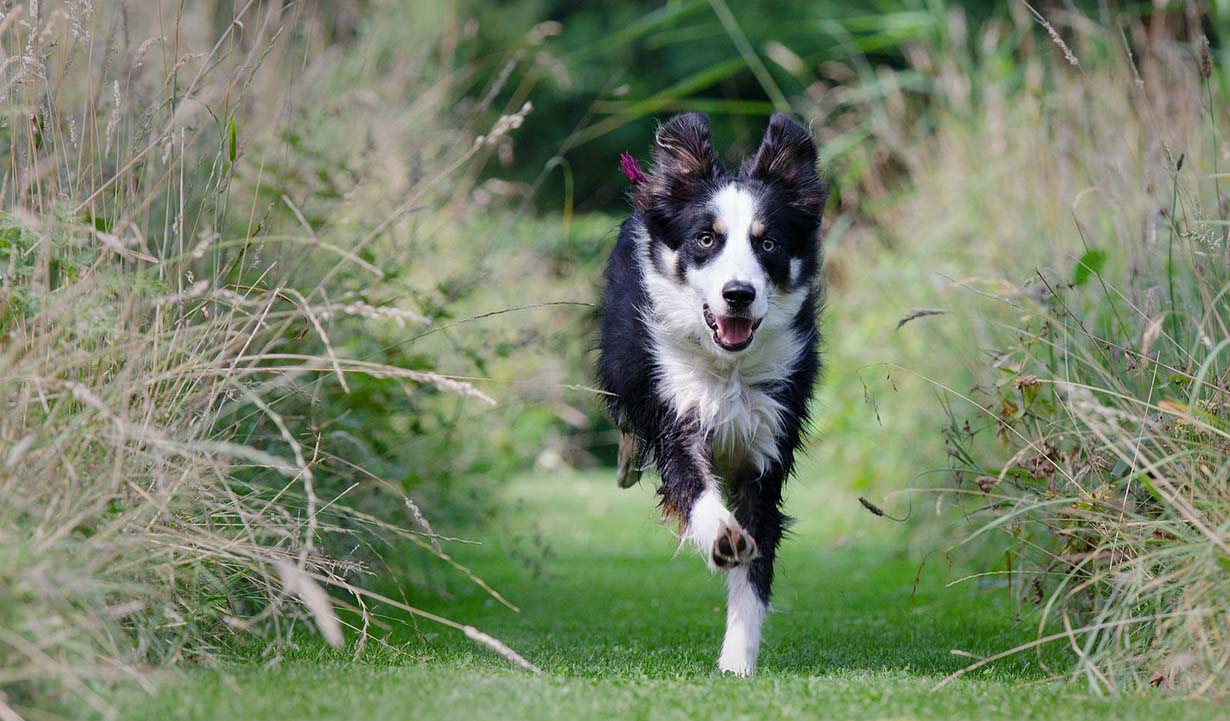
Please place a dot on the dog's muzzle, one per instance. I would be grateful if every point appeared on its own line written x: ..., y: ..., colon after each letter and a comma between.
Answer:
x: 731, y: 332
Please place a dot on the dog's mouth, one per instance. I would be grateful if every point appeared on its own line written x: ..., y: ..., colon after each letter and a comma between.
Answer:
x: 731, y: 332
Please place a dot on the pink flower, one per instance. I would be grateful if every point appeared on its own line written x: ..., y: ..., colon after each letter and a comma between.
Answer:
x: 631, y: 168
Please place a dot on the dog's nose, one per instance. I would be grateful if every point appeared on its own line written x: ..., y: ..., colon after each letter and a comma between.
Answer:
x: 738, y: 294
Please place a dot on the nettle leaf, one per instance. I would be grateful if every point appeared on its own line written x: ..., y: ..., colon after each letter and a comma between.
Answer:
x: 1090, y: 263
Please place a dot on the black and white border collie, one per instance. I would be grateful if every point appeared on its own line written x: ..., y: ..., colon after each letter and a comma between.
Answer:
x: 709, y: 347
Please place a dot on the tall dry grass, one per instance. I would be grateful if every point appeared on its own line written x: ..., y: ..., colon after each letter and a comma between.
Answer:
x: 1070, y: 207
x: 176, y: 252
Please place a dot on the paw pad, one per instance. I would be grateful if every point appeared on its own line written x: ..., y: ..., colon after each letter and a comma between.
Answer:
x: 733, y: 547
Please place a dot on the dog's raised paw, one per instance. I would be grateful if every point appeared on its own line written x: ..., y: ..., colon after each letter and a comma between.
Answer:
x: 733, y: 547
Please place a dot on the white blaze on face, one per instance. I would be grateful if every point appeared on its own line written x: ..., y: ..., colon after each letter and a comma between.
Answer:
x: 735, y: 215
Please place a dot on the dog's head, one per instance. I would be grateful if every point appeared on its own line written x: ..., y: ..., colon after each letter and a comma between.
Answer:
x: 732, y: 245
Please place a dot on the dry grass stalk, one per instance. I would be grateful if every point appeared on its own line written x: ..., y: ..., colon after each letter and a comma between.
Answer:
x: 1095, y: 280
x: 156, y: 321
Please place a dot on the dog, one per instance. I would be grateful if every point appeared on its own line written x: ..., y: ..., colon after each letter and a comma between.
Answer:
x: 709, y: 347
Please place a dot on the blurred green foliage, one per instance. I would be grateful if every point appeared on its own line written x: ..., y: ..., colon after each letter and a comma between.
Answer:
x: 505, y: 282
x: 600, y: 75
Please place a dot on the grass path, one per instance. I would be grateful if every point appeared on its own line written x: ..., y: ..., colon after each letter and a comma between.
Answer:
x: 623, y: 630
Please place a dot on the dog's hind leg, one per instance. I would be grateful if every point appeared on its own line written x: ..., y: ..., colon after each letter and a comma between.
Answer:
x: 631, y: 460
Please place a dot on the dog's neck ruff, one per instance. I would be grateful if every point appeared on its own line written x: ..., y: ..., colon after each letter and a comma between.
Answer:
x: 728, y: 393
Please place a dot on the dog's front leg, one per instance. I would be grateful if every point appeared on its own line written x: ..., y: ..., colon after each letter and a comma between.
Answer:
x: 690, y: 493
x: 757, y: 502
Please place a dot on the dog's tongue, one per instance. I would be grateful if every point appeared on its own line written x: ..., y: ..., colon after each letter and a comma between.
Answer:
x: 734, y: 331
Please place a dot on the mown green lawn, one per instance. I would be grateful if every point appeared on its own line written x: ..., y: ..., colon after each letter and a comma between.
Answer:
x: 622, y: 629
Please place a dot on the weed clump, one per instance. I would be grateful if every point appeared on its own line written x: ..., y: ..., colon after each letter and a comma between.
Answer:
x: 1093, y: 459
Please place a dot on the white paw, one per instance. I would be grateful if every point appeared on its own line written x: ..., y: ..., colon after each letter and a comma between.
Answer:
x: 745, y: 614
x: 714, y: 532
x: 738, y: 664
x: 733, y: 547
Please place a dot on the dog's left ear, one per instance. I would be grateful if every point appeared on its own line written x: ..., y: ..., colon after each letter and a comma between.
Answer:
x: 683, y: 157
x: 787, y: 158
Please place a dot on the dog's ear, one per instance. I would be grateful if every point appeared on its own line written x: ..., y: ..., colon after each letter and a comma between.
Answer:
x: 682, y: 155
x: 787, y: 159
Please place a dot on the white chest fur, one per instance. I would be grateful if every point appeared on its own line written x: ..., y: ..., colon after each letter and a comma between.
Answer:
x: 742, y: 420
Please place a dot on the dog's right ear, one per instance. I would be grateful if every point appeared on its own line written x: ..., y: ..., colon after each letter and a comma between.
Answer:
x: 682, y: 156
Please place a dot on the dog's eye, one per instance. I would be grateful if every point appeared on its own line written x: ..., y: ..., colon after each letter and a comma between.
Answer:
x: 768, y: 245
x: 705, y: 240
